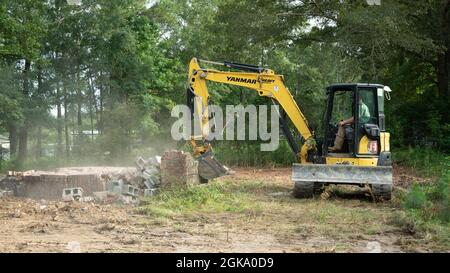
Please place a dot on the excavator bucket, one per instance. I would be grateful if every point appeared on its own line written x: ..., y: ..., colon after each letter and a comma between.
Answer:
x: 308, y: 177
x: 209, y: 167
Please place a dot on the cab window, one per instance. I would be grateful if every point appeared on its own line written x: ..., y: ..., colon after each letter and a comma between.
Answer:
x: 366, y: 106
x: 342, y: 106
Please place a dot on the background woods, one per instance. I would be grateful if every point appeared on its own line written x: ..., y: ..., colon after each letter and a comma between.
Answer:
x: 96, y: 80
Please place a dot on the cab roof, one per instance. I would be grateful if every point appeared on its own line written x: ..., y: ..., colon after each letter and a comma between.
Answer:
x: 352, y: 85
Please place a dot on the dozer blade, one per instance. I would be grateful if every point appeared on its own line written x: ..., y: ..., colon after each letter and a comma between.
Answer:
x: 209, y: 167
x: 342, y: 174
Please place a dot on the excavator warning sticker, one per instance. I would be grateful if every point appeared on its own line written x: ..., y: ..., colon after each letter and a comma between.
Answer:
x: 372, y: 147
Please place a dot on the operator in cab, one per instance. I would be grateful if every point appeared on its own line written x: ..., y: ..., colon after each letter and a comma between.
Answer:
x: 364, y: 117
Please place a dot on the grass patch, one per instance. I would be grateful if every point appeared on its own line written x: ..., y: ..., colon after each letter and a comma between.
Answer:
x: 336, y: 219
x: 245, y: 154
x: 435, y: 232
x: 430, y: 202
x: 425, y: 161
x: 426, y: 209
x: 211, y: 198
x: 252, y: 206
x: 416, y: 198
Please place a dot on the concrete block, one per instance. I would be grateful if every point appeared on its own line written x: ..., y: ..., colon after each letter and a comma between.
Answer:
x: 87, y: 199
x: 68, y: 199
x: 72, y: 194
x: 130, y: 190
x: 6, y: 193
x: 129, y: 200
x: 104, y: 196
x: 141, y: 163
x: 151, y: 192
x: 117, y: 190
x: 110, y: 185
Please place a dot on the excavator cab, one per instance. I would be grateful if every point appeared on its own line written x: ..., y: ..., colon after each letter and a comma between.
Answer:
x: 366, y: 136
x: 364, y: 157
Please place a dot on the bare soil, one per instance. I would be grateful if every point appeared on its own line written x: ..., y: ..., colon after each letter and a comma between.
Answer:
x: 340, y: 221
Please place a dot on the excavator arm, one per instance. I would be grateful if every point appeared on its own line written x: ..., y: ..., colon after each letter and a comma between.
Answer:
x: 264, y: 81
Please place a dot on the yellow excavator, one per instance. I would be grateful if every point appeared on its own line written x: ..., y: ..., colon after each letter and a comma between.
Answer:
x: 364, y: 158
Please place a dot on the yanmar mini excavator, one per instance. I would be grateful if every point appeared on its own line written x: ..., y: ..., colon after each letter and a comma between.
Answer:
x: 363, y: 160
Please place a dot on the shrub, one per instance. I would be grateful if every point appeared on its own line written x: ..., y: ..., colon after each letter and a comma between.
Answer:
x: 416, y: 198
x: 426, y: 161
x: 430, y: 201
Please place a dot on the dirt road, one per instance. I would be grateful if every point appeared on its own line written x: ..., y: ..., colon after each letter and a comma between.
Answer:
x: 258, y: 215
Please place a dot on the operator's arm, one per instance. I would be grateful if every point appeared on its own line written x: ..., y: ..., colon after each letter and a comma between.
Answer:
x: 347, y: 121
x: 266, y: 83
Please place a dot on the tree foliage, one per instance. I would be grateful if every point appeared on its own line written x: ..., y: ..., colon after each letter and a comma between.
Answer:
x: 101, y: 76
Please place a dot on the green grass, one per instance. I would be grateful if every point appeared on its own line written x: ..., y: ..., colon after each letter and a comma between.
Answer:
x: 240, y: 153
x: 425, y: 161
x: 252, y: 198
x: 210, y: 198
x: 413, y: 223
x: 430, y: 202
x: 249, y: 205
x: 426, y: 208
x: 416, y: 198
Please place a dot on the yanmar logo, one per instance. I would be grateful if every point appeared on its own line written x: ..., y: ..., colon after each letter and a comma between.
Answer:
x: 243, y: 80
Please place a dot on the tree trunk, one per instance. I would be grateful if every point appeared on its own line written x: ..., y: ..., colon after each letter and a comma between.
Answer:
x: 92, y: 106
x: 443, y: 64
x: 23, y: 144
x: 12, y: 140
x: 66, y: 120
x: 39, y: 143
x: 94, y: 100
x: 40, y: 90
x: 443, y: 60
x: 100, y: 125
x: 442, y: 74
x: 79, y: 105
x: 59, y: 149
x: 23, y: 132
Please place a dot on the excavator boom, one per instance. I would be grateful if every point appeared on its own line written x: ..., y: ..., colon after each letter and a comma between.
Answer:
x: 264, y: 81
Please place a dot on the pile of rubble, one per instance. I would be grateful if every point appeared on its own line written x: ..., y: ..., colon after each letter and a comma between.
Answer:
x: 127, y: 187
x: 9, y: 186
x: 150, y: 172
x: 87, y: 184
x: 105, y: 184
x: 46, y: 210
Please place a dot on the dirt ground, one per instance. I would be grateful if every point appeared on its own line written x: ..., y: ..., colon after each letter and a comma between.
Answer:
x: 342, y: 221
